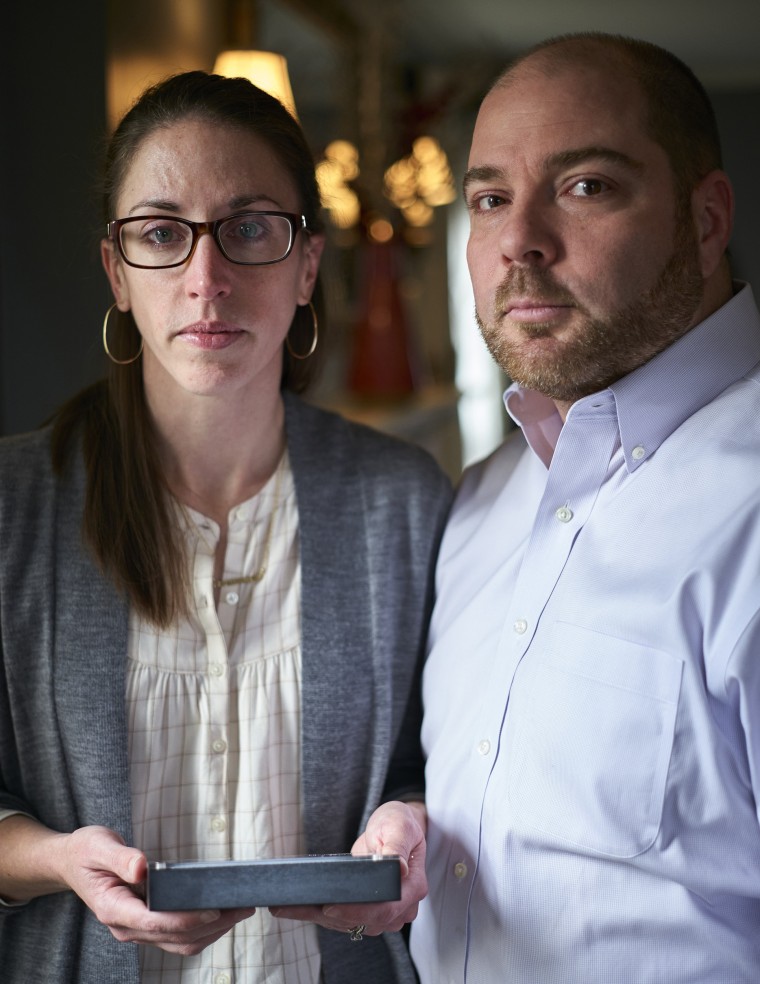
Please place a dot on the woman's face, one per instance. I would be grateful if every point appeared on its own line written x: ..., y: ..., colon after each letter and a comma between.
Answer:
x: 210, y: 327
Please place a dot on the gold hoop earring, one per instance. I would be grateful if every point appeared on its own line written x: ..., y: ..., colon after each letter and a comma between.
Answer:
x: 315, y: 324
x: 119, y: 362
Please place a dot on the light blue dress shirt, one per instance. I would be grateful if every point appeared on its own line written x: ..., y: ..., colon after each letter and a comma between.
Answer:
x: 592, y: 693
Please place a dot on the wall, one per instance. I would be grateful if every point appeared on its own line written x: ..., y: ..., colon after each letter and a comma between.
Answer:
x: 52, y: 292
x: 738, y: 114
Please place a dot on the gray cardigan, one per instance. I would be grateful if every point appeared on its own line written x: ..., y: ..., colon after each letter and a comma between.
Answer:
x: 371, y: 511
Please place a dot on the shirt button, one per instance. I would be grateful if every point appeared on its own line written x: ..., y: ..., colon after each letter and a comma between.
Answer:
x: 638, y: 453
x: 520, y: 626
x: 219, y: 745
x: 484, y: 747
x: 460, y: 870
x: 563, y: 514
x: 216, y: 669
x: 222, y: 979
x: 232, y: 597
x: 218, y: 825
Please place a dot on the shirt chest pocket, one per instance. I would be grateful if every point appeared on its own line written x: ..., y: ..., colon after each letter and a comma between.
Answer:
x: 592, y: 741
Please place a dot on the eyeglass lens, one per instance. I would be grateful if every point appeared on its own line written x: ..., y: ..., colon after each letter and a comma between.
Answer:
x: 252, y: 238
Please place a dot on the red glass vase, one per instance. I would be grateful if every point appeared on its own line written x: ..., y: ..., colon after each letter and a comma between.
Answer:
x: 382, y: 362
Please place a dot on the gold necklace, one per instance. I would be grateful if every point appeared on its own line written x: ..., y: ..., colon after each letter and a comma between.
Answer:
x: 226, y: 582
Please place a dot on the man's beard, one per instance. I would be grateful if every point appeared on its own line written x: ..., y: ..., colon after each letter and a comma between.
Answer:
x: 603, y: 350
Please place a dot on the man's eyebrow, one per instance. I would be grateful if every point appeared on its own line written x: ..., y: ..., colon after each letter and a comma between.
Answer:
x: 569, y: 158
x: 565, y: 158
x: 482, y: 173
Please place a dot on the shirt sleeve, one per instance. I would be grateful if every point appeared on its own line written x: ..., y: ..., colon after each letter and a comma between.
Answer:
x: 742, y: 684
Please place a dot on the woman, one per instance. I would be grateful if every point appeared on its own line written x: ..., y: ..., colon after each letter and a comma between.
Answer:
x: 213, y: 596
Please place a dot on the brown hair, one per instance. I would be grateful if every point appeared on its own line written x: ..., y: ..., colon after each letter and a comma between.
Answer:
x: 680, y: 117
x: 129, y: 522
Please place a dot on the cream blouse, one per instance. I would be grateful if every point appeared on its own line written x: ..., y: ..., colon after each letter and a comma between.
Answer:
x: 214, y: 710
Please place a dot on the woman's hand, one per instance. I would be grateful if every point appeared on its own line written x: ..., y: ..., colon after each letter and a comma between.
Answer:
x: 394, y: 828
x: 108, y: 877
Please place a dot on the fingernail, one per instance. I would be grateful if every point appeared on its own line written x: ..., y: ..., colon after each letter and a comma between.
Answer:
x: 210, y: 915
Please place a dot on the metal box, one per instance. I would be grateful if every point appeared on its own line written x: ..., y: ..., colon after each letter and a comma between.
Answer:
x: 309, y: 880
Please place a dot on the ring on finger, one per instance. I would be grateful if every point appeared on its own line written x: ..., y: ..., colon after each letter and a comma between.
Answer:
x: 356, y: 933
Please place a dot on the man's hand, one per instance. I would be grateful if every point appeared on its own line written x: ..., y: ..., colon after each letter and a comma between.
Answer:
x: 394, y: 828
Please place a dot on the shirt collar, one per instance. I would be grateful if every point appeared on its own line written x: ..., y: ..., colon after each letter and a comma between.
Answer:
x: 655, y: 399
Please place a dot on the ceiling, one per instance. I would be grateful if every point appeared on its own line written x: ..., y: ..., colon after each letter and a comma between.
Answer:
x: 433, y: 58
x: 439, y: 56
x: 379, y: 72
x: 718, y: 39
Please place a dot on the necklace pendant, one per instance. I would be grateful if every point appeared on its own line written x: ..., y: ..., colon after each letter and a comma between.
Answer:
x: 228, y: 582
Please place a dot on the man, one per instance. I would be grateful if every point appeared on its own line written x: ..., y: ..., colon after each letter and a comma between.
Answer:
x: 592, y: 693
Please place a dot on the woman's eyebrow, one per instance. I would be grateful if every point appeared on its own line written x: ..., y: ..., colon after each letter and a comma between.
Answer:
x: 242, y: 201
x: 160, y: 203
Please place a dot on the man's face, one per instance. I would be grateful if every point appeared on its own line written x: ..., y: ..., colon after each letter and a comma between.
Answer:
x: 583, y: 263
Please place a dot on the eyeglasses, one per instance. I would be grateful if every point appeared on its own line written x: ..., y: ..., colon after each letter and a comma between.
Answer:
x: 250, y: 238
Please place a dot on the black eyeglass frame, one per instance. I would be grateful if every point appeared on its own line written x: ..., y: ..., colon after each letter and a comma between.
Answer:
x: 198, y: 229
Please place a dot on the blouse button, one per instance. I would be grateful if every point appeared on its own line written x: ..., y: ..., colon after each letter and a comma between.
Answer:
x: 638, y: 453
x: 460, y: 870
x: 520, y: 626
x: 232, y: 597
x: 563, y: 514
x: 218, y: 825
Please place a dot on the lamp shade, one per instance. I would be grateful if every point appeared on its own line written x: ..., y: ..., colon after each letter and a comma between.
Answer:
x: 266, y: 69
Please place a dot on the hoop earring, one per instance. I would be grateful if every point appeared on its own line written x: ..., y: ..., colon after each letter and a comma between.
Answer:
x: 119, y: 362
x: 315, y: 324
